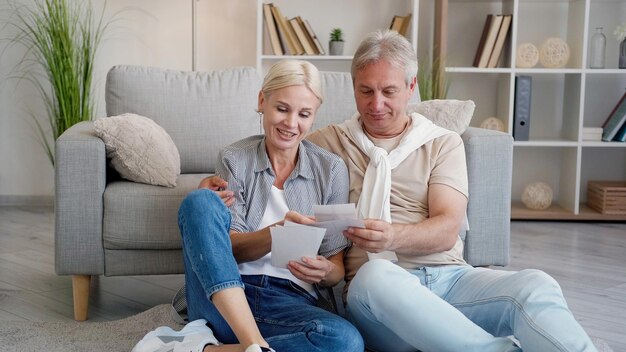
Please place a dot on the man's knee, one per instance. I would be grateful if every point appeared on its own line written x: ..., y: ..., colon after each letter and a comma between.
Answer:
x: 374, y: 277
x: 537, y: 285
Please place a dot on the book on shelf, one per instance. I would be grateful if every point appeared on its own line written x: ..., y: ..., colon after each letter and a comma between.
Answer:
x: 503, y: 32
x: 316, y: 41
x: 521, y: 108
x: 621, y: 134
x: 616, y: 119
x: 592, y: 134
x: 290, y: 43
x: 301, y: 36
x: 272, y: 32
x: 400, y: 24
x: 487, y: 40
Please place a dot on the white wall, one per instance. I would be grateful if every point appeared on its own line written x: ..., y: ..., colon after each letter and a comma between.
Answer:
x: 145, y: 32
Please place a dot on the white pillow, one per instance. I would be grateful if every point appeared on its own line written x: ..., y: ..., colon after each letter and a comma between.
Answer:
x: 454, y: 115
x: 140, y: 150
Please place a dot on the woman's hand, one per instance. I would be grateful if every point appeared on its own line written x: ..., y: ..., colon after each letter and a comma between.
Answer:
x: 219, y: 186
x: 312, y: 271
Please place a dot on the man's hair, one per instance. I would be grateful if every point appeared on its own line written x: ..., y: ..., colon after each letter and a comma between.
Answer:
x: 287, y: 73
x: 389, y: 46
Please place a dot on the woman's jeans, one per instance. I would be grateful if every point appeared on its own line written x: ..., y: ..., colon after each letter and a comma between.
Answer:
x: 285, y: 313
x: 461, y: 308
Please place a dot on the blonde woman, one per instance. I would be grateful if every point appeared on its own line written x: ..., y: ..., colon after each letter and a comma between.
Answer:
x: 249, y: 304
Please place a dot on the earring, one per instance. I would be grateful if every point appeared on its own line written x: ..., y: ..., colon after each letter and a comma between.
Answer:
x: 260, y: 114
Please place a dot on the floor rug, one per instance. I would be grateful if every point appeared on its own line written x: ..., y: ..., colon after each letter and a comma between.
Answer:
x: 119, y: 335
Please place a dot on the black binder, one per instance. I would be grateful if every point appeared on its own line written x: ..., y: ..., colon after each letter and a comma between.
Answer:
x: 521, y: 108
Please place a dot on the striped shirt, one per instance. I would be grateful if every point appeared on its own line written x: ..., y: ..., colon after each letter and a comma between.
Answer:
x: 319, y: 177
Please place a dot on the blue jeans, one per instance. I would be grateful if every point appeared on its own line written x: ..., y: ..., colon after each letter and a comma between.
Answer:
x: 286, y: 314
x: 461, y: 308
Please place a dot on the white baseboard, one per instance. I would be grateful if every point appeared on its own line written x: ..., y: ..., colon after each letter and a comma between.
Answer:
x: 6, y: 200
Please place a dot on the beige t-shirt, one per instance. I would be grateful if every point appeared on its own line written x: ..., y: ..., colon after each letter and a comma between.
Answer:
x: 439, y: 161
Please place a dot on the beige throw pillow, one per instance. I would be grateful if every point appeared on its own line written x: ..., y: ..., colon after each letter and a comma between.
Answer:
x: 140, y: 150
x: 454, y: 115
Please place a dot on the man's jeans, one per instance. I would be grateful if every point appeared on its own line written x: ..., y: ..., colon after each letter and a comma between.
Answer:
x: 461, y: 308
x: 285, y: 313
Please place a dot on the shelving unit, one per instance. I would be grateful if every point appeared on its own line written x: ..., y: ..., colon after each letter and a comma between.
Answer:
x: 564, y: 100
x: 355, y: 17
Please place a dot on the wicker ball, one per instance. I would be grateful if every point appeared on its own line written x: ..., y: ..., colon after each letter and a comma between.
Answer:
x: 493, y: 123
x: 527, y: 55
x: 554, y: 53
x: 537, y: 196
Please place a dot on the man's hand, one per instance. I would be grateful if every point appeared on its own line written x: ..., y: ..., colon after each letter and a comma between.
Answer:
x: 376, y: 237
x: 219, y: 186
x: 311, y: 271
x: 298, y: 218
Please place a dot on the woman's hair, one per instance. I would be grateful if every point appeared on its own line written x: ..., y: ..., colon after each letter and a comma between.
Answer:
x: 287, y: 73
x: 389, y: 46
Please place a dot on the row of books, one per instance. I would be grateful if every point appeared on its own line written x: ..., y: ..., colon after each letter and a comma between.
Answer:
x: 492, y: 40
x: 614, y: 128
x: 293, y: 36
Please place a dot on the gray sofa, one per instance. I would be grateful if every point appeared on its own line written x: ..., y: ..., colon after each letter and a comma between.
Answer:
x: 106, y: 225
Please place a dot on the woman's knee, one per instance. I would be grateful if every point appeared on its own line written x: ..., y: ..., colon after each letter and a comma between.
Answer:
x: 342, y: 335
x: 203, y: 204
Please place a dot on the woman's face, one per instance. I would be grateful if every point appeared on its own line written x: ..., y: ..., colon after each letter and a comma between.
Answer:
x: 288, y: 114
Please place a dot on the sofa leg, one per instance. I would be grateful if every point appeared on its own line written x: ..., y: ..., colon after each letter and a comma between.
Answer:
x: 80, y: 291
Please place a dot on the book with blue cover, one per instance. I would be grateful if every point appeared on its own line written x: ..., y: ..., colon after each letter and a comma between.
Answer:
x: 621, y: 134
x: 616, y: 119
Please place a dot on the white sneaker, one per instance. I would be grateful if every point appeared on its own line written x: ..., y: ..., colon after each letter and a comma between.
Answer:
x: 192, y: 338
x: 257, y: 348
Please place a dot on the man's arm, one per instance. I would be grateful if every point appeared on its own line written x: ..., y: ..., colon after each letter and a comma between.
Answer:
x: 435, y: 234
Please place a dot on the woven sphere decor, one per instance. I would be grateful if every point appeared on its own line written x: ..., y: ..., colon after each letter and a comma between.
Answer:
x: 492, y: 123
x: 527, y: 55
x: 554, y: 53
x: 537, y: 196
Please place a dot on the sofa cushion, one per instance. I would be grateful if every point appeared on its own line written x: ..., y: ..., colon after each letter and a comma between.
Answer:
x: 452, y: 114
x: 140, y: 150
x: 140, y: 216
x: 201, y: 111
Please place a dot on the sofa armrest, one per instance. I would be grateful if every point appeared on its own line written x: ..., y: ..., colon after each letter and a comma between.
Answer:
x: 80, y: 179
x: 489, y: 157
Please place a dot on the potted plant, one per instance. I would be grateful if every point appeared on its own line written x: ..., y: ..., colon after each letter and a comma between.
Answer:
x: 335, y: 45
x: 431, y: 80
x: 61, y: 38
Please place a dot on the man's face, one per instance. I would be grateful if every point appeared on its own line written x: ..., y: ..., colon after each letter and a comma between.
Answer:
x: 382, y: 96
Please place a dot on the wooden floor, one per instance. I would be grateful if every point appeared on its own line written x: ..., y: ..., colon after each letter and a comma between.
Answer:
x: 587, y: 259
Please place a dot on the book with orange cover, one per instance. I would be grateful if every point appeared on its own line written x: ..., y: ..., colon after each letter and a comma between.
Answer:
x: 500, y: 40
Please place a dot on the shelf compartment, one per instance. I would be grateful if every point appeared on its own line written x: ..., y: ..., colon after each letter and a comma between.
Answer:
x: 466, y: 20
x: 561, y: 19
x: 489, y: 91
x: 553, y: 116
x: 606, y: 14
x: 601, y: 164
x: 602, y: 93
x: 556, y: 167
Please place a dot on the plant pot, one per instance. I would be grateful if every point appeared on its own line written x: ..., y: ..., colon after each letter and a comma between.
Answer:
x: 335, y: 48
